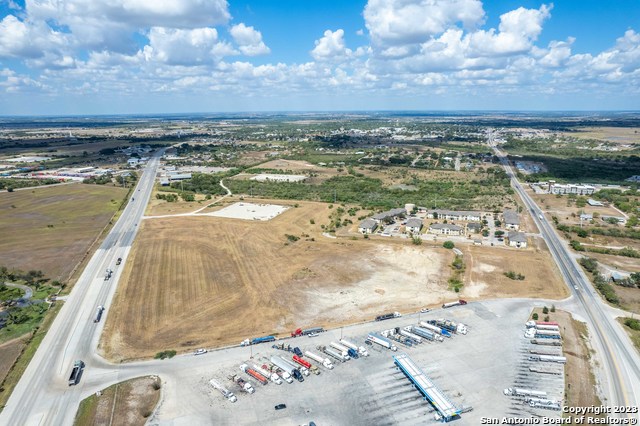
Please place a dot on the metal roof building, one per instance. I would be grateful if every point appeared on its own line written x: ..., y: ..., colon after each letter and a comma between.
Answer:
x: 431, y: 392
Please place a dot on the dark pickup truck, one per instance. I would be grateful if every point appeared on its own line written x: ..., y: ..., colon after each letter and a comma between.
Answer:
x: 76, y: 372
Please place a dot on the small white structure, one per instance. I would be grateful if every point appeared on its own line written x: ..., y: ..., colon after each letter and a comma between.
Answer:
x: 445, y: 229
x: 367, y: 226
x: 594, y: 203
x: 413, y: 226
x: 517, y: 239
x: 133, y: 161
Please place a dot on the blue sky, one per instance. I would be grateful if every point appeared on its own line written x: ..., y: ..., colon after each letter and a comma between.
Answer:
x: 154, y: 56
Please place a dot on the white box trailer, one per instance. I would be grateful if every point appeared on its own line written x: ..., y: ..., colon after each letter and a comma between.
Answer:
x: 361, y: 350
x: 524, y: 392
x: 548, y: 358
x: 410, y: 335
x: 326, y: 362
x: 342, y: 349
x: 382, y: 341
x: 271, y: 376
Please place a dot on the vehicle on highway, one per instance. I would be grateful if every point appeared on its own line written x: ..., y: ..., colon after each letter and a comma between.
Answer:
x: 119, y: 261
x: 76, y: 372
x: 424, y: 310
x: 200, y: 351
x: 133, y: 199
x: 280, y: 406
x: 99, y: 312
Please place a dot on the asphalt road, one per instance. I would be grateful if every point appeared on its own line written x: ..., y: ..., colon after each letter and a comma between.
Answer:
x: 621, y: 363
x: 43, y: 396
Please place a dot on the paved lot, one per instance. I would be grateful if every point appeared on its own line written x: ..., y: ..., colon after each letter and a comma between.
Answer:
x: 250, y: 211
x: 471, y: 369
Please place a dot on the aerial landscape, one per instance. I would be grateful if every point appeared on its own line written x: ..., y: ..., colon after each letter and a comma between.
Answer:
x: 401, y: 212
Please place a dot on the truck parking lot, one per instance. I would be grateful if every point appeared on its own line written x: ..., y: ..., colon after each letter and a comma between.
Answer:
x: 472, y: 370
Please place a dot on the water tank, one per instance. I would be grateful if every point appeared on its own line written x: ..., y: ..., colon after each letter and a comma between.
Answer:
x: 409, y: 207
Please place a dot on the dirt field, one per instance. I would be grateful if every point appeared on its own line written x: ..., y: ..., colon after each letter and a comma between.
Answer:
x: 621, y: 135
x: 205, y: 281
x: 580, y: 386
x: 9, y: 352
x: 128, y: 404
x: 485, y: 267
x: 629, y: 298
x: 555, y: 206
x: 200, y: 281
x: 51, y: 228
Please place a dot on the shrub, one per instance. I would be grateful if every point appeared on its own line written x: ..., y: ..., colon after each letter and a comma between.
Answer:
x: 292, y: 238
x: 545, y: 310
x: 535, y: 317
x: 165, y: 354
x: 448, y: 245
x: 312, y: 222
x: 553, y: 308
x: 633, y: 324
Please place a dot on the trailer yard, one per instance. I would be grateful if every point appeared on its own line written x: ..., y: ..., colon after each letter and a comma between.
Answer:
x: 471, y: 370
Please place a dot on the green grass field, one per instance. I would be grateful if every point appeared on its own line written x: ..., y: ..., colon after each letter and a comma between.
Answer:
x: 51, y: 228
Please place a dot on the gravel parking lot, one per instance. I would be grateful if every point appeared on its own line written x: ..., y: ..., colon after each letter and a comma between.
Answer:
x: 472, y: 370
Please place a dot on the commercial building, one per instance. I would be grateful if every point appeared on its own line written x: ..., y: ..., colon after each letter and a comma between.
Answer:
x: 467, y: 216
x: 556, y: 188
x: 511, y: 219
x: 413, y: 225
x: 517, y: 239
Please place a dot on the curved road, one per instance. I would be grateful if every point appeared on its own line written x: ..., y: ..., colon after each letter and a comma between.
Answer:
x: 621, y: 361
x: 42, y: 396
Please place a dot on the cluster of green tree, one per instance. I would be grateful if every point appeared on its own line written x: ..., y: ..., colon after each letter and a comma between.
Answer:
x: 33, y: 277
x: 370, y: 193
x: 607, y: 291
x: 608, y: 232
x: 598, y: 170
x: 626, y: 251
x: 627, y: 201
x: 99, y: 180
x: 633, y: 281
x: 203, y: 183
x: 514, y: 276
x: 11, y: 184
x: 171, y: 198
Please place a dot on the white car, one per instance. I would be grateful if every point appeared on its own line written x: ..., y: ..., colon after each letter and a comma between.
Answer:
x: 424, y: 310
x: 200, y: 351
x: 313, y: 334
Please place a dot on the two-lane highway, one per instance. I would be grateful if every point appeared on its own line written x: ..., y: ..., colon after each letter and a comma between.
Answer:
x: 621, y: 362
x: 42, y: 396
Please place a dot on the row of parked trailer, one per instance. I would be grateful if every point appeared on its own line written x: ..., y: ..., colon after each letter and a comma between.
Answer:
x: 548, y: 340
x: 436, y: 330
x: 278, y: 369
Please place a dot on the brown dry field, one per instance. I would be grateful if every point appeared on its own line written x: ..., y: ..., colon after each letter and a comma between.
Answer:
x: 201, y: 282
x: 580, y: 387
x: 485, y: 267
x: 620, y: 262
x: 9, y: 352
x: 51, y: 228
x: 190, y: 277
x: 629, y: 298
x: 124, y: 404
x: 621, y: 135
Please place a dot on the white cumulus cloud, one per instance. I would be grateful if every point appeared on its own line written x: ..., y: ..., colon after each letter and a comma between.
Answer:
x: 249, y: 40
x: 331, y: 46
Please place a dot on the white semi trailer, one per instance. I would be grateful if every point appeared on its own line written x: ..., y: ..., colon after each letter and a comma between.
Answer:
x: 224, y: 391
x: 289, y: 368
x: 361, y: 350
x: 270, y: 375
x: 524, y: 392
x: 342, y: 349
x: 382, y: 341
x: 410, y: 335
x: 326, y: 362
